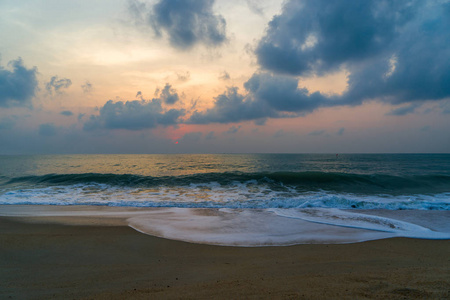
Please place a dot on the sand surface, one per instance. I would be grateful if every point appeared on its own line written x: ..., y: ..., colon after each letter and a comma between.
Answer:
x: 54, y: 261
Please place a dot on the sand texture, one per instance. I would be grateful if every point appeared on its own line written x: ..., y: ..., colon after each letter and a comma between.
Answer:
x: 53, y: 261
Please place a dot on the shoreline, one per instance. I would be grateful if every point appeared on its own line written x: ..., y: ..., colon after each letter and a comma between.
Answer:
x: 91, y: 261
x: 246, y: 227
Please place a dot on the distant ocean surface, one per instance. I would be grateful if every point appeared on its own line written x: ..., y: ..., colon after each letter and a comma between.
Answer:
x: 290, y: 185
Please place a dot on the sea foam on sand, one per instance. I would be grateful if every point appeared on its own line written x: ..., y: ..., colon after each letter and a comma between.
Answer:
x: 251, y: 227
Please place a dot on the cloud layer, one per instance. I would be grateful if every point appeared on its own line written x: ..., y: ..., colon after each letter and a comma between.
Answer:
x: 137, y: 114
x: 169, y: 95
x: 394, y: 51
x: 231, y: 106
x: 18, y: 85
x: 186, y: 23
x: 57, y: 85
x: 319, y: 36
x: 267, y: 96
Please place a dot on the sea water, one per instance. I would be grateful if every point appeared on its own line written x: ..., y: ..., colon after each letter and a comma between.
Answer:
x: 244, y: 199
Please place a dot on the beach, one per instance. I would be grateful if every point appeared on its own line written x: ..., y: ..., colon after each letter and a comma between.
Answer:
x: 41, y: 258
x: 261, y: 226
x: 259, y: 149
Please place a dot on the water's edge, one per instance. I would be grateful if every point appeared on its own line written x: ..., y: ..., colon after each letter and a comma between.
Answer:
x: 250, y: 227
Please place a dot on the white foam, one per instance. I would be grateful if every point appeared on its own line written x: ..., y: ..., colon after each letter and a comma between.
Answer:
x: 255, y: 227
x: 248, y: 227
x: 336, y: 217
x: 213, y: 195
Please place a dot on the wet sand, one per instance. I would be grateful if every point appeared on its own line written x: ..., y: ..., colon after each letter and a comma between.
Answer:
x: 54, y: 261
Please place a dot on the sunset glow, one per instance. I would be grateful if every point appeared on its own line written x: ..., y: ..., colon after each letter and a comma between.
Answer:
x: 134, y: 76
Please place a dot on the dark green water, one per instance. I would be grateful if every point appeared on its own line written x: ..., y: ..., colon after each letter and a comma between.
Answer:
x: 389, y: 181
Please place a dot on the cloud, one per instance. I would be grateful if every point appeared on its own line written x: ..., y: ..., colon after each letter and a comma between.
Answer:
x: 134, y: 115
x: 321, y: 35
x: 404, y: 110
x: 186, y: 23
x: 67, y: 113
x: 18, y: 85
x: 255, y: 6
x: 394, y: 52
x: 169, y: 95
x: 57, y: 85
x: 232, y: 107
x: 281, y: 93
x: 340, y: 131
x: 183, y: 77
x: 261, y: 122
x: 87, y: 87
x: 47, y: 129
x: 267, y: 96
x: 445, y: 106
x: 224, y: 76
x: 233, y: 129
x: 317, y: 132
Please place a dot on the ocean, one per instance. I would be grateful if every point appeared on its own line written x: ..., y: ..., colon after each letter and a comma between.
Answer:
x: 246, y: 199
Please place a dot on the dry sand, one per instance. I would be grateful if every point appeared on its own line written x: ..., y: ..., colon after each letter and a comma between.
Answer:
x: 53, y: 261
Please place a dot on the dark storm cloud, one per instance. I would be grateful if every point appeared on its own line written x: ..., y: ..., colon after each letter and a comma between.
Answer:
x: 281, y: 93
x: 394, y: 51
x: 57, y: 85
x: 185, y: 22
x: 134, y: 115
x: 169, y: 95
x: 231, y: 106
x: 416, y: 68
x: 320, y: 35
x: 268, y: 96
x: 18, y: 85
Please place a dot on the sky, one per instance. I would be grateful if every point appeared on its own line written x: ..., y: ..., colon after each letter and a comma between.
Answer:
x: 224, y: 76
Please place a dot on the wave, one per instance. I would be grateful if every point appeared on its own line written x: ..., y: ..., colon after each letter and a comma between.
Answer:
x: 233, y: 190
x: 300, y: 181
x: 238, y: 196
